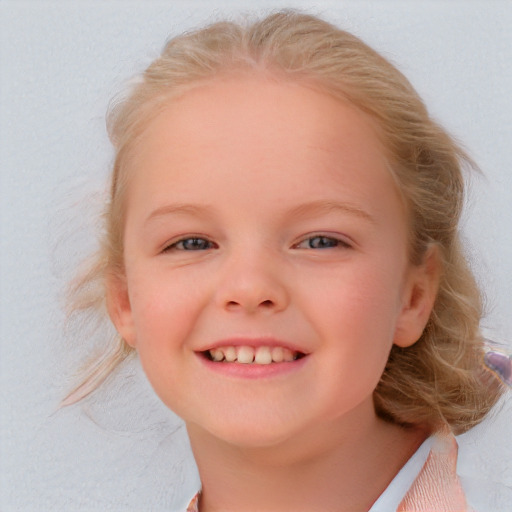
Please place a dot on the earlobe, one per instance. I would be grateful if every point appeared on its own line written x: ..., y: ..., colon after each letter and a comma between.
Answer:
x: 119, y: 308
x: 419, y: 296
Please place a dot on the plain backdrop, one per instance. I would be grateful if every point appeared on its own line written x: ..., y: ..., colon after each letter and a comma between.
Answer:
x: 60, y: 63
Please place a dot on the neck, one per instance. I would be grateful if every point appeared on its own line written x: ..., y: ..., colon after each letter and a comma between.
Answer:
x: 328, y: 469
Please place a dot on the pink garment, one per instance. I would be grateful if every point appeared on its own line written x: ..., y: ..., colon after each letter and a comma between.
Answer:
x: 435, y: 489
x: 193, y: 506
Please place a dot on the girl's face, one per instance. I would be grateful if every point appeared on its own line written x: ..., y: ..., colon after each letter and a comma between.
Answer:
x: 262, y: 222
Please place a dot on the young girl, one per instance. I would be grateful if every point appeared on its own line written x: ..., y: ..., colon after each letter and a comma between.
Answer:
x: 282, y: 252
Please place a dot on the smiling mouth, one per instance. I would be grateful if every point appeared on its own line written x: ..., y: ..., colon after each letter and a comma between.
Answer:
x: 249, y: 355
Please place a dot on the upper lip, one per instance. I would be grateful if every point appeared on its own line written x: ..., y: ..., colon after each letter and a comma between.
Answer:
x: 255, y: 342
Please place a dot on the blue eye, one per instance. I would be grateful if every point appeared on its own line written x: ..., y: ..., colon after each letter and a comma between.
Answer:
x: 321, y: 242
x: 191, y: 244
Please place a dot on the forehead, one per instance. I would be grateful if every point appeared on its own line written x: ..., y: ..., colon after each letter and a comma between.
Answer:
x: 258, y: 130
x: 258, y: 107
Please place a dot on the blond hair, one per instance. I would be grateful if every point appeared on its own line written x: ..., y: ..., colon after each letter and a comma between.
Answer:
x: 441, y: 380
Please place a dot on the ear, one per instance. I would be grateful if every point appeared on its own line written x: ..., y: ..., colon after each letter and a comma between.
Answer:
x: 119, y: 308
x: 419, y: 295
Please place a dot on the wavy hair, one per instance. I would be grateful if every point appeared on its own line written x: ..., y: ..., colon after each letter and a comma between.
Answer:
x: 441, y: 380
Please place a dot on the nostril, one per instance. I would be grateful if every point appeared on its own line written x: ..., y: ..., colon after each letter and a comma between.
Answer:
x: 232, y: 304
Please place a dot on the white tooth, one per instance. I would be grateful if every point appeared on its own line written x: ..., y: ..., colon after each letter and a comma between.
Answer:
x: 287, y: 355
x: 229, y: 354
x: 245, y: 355
x: 263, y: 355
x: 217, y: 354
x: 277, y: 354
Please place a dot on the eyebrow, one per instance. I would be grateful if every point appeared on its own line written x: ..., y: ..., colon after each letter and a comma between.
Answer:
x: 180, y: 209
x: 327, y: 206
x: 318, y: 207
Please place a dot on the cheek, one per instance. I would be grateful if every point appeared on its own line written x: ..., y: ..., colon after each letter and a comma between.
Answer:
x: 365, y: 298
x: 356, y: 312
x: 164, y: 309
x: 360, y: 326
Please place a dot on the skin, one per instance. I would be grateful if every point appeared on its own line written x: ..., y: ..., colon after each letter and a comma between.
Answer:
x: 253, y: 158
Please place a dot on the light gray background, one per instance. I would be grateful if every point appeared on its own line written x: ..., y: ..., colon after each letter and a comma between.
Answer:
x: 60, y: 64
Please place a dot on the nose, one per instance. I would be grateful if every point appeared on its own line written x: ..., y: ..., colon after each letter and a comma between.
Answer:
x: 253, y: 284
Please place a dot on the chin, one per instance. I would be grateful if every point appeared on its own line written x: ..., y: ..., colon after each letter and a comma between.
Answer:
x: 250, y: 432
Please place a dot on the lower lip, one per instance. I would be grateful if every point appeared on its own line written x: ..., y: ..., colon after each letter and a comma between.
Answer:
x: 252, y: 370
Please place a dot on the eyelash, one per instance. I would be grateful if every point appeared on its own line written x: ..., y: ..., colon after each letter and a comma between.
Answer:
x: 195, y: 241
x: 203, y: 244
x: 337, y: 243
